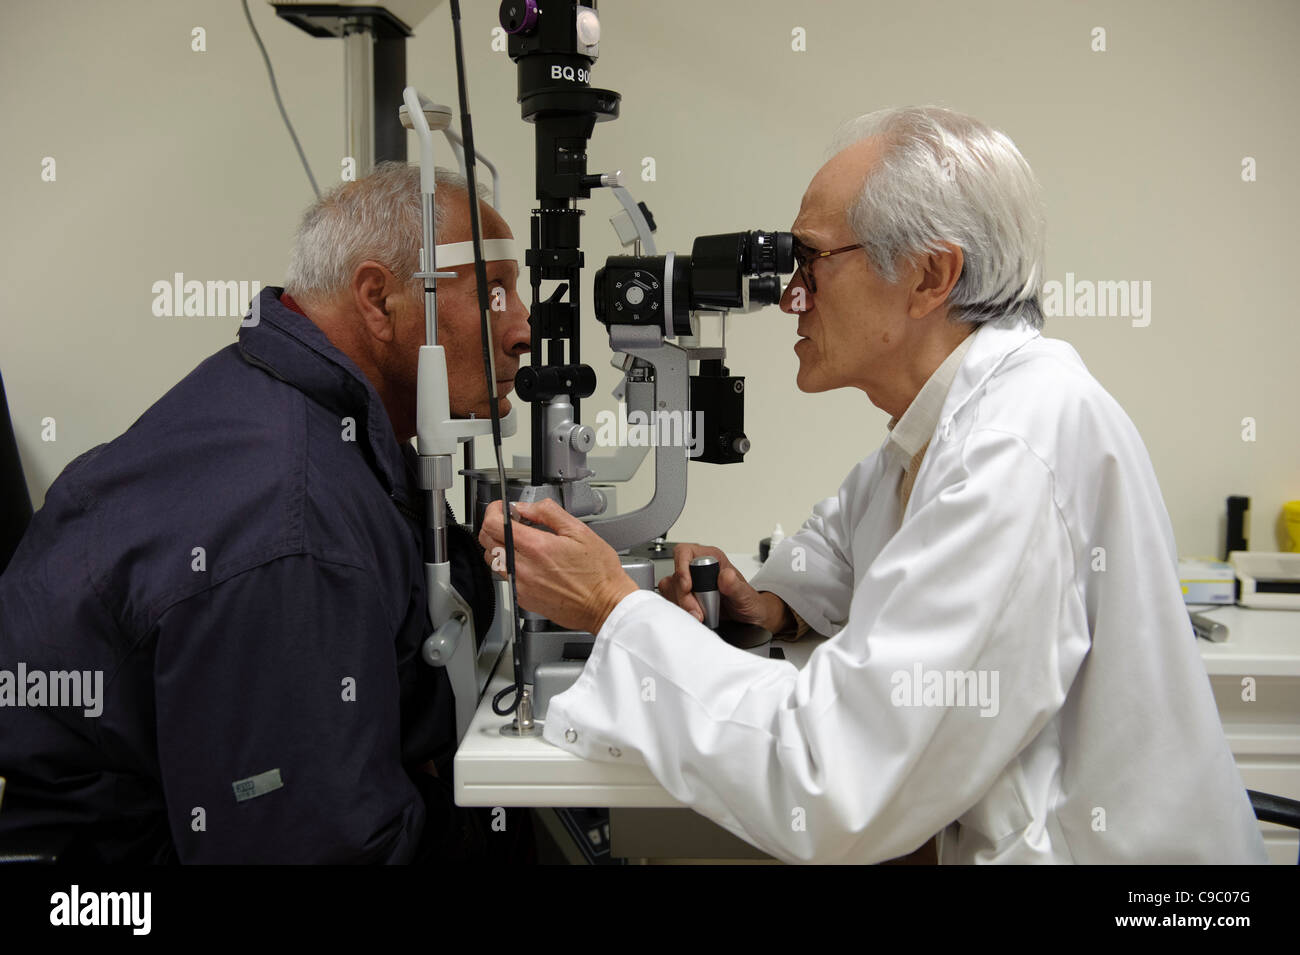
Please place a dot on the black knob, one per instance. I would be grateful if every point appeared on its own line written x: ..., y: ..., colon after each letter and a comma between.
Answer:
x: 518, y: 16
x: 704, y: 584
x: 545, y: 382
x: 766, y: 289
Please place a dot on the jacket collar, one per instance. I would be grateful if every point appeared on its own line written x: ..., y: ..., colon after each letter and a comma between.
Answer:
x: 292, y: 347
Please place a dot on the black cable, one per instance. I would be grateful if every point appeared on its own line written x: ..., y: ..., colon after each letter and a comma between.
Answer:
x: 480, y: 275
x: 275, y: 89
x: 500, y: 710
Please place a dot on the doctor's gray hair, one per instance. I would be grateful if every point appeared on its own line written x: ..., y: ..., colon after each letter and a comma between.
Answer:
x: 947, y: 177
x: 376, y: 217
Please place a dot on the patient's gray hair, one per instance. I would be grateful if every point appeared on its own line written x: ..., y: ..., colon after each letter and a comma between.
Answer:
x: 377, y: 217
x: 947, y: 177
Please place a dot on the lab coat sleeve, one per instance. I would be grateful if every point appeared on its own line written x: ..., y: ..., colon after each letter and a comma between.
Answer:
x: 819, y: 551
x: 849, y: 759
x: 278, y: 718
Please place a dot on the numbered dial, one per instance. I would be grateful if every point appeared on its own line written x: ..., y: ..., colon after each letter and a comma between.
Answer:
x: 638, y: 294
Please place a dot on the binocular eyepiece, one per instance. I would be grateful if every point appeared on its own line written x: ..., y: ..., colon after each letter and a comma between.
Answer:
x: 722, y: 273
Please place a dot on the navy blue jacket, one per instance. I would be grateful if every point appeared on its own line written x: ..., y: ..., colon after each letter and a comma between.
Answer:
x: 246, y: 570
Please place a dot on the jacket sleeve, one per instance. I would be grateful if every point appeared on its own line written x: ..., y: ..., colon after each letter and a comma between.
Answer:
x: 854, y: 758
x: 819, y: 551
x: 278, y: 720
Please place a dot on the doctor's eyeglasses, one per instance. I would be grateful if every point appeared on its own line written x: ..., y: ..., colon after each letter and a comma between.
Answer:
x: 806, y: 255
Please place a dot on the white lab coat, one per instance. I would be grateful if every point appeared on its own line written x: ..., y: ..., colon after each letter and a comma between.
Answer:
x: 1035, y: 547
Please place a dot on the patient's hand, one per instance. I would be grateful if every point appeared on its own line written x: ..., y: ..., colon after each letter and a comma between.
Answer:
x: 740, y: 602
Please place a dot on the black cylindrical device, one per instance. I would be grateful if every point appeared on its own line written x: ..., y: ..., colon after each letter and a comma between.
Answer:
x: 704, y: 584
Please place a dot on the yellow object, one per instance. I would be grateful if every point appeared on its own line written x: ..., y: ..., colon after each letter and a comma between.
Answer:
x: 1291, y: 521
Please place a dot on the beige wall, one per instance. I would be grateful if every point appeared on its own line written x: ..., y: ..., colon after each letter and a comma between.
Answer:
x: 174, y: 161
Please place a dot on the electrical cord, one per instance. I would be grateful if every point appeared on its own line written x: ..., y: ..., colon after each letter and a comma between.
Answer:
x: 489, y: 365
x: 275, y: 89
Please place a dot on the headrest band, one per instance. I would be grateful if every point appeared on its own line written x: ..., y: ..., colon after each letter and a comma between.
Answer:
x: 462, y: 253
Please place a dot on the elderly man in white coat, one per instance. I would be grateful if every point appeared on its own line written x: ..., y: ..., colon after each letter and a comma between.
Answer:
x: 1011, y: 666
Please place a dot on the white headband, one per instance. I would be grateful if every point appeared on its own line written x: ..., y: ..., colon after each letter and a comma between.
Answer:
x: 462, y: 253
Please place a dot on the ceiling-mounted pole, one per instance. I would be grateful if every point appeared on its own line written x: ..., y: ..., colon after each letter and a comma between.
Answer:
x: 359, y: 95
x: 374, y: 75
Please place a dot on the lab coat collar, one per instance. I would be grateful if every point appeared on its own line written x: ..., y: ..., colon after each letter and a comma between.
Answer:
x: 910, y: 433
x: 992, y: 344
x: 293, y: 348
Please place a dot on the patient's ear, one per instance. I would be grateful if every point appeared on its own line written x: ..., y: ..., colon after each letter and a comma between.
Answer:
x: 374, y: 290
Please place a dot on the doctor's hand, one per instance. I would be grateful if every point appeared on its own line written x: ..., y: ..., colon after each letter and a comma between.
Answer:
x: 740, y: 601
x: 571, y: 576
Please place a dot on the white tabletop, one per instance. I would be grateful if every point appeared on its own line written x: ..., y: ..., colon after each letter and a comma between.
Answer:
x: 496, y: 770
x: 1260, y: 642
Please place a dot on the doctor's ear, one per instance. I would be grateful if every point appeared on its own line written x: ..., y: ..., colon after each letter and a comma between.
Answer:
x: 934, y: 275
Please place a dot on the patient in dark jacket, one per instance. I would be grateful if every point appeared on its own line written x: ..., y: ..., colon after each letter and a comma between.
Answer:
x: 210, y: 634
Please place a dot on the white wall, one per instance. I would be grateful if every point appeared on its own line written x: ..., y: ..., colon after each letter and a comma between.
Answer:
x: 174, y: 161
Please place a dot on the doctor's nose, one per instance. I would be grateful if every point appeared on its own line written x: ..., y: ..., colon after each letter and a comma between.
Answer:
x: 796, y: 299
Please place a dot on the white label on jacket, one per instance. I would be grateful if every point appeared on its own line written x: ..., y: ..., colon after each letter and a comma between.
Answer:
x: 258, y: 785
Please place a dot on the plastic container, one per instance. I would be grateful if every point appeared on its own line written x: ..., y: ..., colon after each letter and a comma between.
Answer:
x: 1291, y: 521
